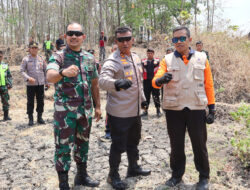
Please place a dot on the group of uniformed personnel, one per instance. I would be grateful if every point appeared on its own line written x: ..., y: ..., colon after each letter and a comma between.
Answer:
x: 184, y: 74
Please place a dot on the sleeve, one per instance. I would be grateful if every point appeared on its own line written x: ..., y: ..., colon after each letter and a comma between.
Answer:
x: 95, y: 72
x: 160, y: 72
x: 107, y: 80
x: 24, y: 69
x: 9, y: 78
x: 44, y: 71
x: 209, y: 84
x: 53, y: 63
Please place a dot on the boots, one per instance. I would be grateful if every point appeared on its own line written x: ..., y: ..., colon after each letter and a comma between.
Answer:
x: 136, y: 170
x: 63, y: 180
x: 31, y: 120
x: 115, y: 181
x: 40, y: 119
x: 82, y: 178
x: 158, y: 112
x: 203, y: 184
x: 6, y: 115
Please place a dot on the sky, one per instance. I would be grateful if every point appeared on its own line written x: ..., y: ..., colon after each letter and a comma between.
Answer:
x: 238, y: 11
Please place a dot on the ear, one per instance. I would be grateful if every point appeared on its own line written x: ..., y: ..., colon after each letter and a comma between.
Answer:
x: 64, y: 36
x: 190, y: 39
x: 133, y: 40
x: 116, y: 41
x: 84, y: 36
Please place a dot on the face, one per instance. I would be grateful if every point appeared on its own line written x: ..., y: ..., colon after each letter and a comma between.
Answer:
x: 124, y: 46
x: 74, y: 41
x: 199, y: 47
x: 61, y: 37
x: 169, y: 51
x: 1, y: 57
x: 34, y: 51
x: 182, y: 47
x: 48, y: 37
x: 150, y: 55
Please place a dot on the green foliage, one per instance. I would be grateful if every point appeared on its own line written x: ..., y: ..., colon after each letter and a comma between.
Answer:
x: 234, y: 28
x: 241, y: 139
x: 220, y: 90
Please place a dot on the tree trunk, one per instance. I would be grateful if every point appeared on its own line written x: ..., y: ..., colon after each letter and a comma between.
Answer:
x: 26, y: 20
x: 208, y: 16
x: 118, y: 12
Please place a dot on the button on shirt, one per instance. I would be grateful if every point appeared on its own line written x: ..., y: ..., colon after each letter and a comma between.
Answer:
x: 34, y: 67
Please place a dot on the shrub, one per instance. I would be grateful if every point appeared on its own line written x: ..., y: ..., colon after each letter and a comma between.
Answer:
x: 241, y: 140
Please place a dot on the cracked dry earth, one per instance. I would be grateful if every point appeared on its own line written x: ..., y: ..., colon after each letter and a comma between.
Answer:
x: 26, y: 153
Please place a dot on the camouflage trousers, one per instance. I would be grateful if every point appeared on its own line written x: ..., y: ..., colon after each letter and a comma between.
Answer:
x: 48, y: 54
x: 71, y: 129
x: 4, y: 97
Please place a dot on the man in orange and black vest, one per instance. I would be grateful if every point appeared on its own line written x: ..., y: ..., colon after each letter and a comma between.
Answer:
x: 150, y: 66
x: 188, y: 89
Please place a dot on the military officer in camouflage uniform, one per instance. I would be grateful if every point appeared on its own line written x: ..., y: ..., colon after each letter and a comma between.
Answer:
x: 75, y: 76
x: 5, y: 85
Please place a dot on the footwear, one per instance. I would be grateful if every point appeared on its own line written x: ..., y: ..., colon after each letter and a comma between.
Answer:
x: 107, y: 135
x: 6, y: 116
x: 82, y: 177
x: 31, y: 120
x: 40, y: 119
x: 115, y: 181
x: 145, y: 114
x: 137, y: 170
x: 158, y: 112
x: 63, y: 180
x: 203, y: 184
x: 173, y: 181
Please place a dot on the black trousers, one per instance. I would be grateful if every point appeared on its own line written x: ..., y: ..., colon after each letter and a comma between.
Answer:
x: 194, y: 121
x: 32, y: 92
x: 125, y: 135
x: 148, y: 89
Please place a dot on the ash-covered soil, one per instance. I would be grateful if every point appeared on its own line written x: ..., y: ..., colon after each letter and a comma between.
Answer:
x: 26, y: 153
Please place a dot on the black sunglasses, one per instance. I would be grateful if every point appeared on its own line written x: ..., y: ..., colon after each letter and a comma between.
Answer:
x: 181, y: 38
x: 122, y: 39
x: 72, y: 33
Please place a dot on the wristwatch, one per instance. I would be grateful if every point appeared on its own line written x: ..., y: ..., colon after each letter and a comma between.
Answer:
x: 60, y: 72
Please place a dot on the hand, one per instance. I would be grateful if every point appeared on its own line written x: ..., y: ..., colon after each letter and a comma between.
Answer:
x: 122, y: 84
x: 210, y: 116
x: 71, y: 71
x: 164, y: 80
x: 98, y: 114
x: 144, y: 105
x: 9, y: 87
x: 32, y: 80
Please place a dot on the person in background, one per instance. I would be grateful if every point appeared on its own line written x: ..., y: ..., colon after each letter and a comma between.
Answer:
x: 60, y: 42
x: 33, y: 69
x: 48, y: 48
x: 199, y: 47
x: 169, y: 50
x: 98, y: 65
x: 188, y: 90
x: 150, y: 66
x: 5, y: 86
x: 102, y: 44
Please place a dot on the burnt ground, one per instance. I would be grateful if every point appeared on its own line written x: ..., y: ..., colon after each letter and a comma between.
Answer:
x: 26, y: 153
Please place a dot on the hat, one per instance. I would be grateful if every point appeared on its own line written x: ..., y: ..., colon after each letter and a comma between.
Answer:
x: 34, y: 44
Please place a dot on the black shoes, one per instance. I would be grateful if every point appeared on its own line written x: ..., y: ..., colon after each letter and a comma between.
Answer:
x: 158, y: 112
x: 6, y: 116
x: 115, y: 181
x: 63, y: 181
x: 203, y: 184
x: 31, y: 120
x: 137, y: 170
x: 144, y: 114
x: 173, y: 182
x: 40, y: 119
x: 82, y: 178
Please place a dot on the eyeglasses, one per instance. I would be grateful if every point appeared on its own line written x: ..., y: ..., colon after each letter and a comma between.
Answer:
x: 72, y: 33
x: 181, y: 38
x: 122, y: 39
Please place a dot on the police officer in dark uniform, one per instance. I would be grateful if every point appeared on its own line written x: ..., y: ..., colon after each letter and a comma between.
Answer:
x: 150, y: 66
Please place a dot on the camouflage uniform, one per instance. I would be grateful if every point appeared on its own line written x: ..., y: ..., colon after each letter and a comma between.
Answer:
x: 73, y: 107
x: 5, y: 83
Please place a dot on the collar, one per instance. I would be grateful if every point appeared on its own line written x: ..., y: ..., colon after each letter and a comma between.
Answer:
x: 70, y: 51
x: 191, y: 52
x: 119, y: 54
